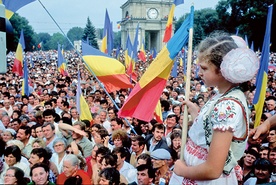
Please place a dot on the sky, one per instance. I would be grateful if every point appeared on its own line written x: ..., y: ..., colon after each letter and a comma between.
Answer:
x: 74, y: 13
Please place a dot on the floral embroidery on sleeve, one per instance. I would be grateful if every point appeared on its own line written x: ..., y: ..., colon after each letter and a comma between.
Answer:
x: 224, y: 116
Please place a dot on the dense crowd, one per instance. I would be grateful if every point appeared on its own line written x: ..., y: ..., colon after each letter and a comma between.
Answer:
x: 44, y: 141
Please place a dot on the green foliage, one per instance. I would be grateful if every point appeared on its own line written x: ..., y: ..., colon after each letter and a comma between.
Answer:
x: 73, y: 34
x: 90, y: 33
x: 18, y: 24
x: 117, y: 39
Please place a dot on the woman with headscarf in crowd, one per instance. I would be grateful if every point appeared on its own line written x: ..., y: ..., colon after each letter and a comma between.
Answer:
x: 40, y: 174
x: 8, y: 134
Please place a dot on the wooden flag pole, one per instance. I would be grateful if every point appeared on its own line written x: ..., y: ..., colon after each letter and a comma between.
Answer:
x: 187, y: 93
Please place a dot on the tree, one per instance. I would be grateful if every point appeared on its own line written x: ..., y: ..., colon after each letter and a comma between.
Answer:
x: 74, y: 34
x: 247, y: 15
x: 55, y: 39
x: 90, y: 33
x: 43, y: 38
x: 18, y: 24
x: 117, y: 39
x: 205, y: 22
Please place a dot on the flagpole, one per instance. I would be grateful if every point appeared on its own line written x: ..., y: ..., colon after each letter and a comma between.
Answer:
x: 187, y: 92
x: 101, y: 85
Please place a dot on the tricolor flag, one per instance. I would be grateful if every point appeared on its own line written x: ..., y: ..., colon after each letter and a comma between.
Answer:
x: 82, y: 106
x: 108, y: 70
x: 144, y: 96
x: 129, y: 62
x: 158, y: 113
x: 261, y: 80
x: 106, y: 32
x: 168, y: 30
x: 61, y: 62
x: 18, y: 61
x: 25, y: 83
x: 142, y: 53
x: 13, y: 5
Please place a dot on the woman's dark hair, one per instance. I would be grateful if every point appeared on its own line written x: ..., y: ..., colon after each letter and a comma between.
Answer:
x: 15, y: 151
x: 263, y: 164
x: 37, y: 165
x: 19, y: 175
x: 76, y: 180
x: 111, y: 160
x: 111, y: 174
x: 145, y: 157
x: 41, y: 152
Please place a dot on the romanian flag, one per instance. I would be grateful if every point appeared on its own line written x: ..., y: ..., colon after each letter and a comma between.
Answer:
x: 261, y: 80
x: 143, y: 98
x: 158, y: 113
x: 61, y: 62
x: 14, y: 5
x: 129, y: 62
x: 25, y: 83
x: 168, y: 30
x: 108, y: 70
x: 82, y: 106
x: 18, y: 61
x: 106, y: 32
x: 142, y: 53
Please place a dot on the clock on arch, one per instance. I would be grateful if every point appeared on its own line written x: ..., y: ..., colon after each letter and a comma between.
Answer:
x: 152, y: 13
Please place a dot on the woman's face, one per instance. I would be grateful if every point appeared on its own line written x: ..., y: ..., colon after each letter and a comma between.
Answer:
x: 10, y: 160
x: 69, y: 169
x: 7, y: 136
x: 141, y: 161
x: 176, y: 143
x: 39, y: 132
x: 36, y: 145
x: 59, y: 147
x: 9, y: 177
x: 104, y: 165
x: 103, y: 181
x: 97, y: 138
x: 95, y: 149
x: 118, y: 142
x: 40, y: 176
x: 249, y: 160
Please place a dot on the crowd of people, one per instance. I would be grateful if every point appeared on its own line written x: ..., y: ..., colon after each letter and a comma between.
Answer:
x: 43, y: 140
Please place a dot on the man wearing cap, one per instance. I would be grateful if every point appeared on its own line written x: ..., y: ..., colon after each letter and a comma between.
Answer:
x: 159, y: 158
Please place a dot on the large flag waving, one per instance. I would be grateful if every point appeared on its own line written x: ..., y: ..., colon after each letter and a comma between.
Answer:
x: 168, y: 30
x: 14, y: 5
x: 18, y: 61
x: 108, y: 70
x: 146, y: 93
x: 61, y: 63
x: 261, y: 80
x: 82, y: 106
